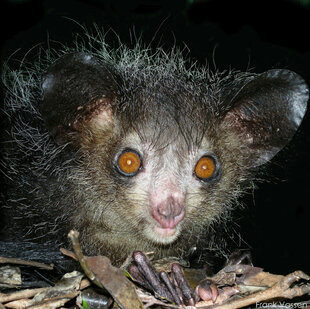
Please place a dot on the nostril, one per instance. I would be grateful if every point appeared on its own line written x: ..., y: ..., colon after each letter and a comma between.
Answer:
x: 168, y: 214
x: 178, y: 210
x: 166, y: 210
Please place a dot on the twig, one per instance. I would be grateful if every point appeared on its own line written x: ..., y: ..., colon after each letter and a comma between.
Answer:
x: 20, y: 294
x: 282, y: 289
x: 28, y: 293
x: 68, y: 253
x: 74, y: 236
x: 7, y: 260
x: 50, y: 304
x: 55, y: 302
x: 85, y: 283
x: 18, y: 304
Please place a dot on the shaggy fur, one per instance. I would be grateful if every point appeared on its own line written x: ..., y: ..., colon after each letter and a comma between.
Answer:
x: 60, y: 169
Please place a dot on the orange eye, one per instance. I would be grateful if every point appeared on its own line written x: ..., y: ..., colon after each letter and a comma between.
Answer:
x: 129, y: 163
x: 205, y: 168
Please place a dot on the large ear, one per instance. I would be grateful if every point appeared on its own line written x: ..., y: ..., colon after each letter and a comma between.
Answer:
x: 266, y: 112
x: 75, y: 88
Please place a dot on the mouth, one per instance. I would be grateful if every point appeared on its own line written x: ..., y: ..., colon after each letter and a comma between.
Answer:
x: 164, y: 232
x: 162, y: 235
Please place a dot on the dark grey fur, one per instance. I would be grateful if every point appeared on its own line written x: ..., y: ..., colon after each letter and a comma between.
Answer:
x: 59, y: 167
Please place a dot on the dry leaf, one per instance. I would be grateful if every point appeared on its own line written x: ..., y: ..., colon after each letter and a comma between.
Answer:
x: 115, y: 282
x: 10, y: 275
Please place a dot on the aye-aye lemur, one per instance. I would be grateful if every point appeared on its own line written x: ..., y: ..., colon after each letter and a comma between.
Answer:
x: 136, y: 150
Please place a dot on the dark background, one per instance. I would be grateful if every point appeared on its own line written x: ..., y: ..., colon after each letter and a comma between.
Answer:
x: 240, y: 34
